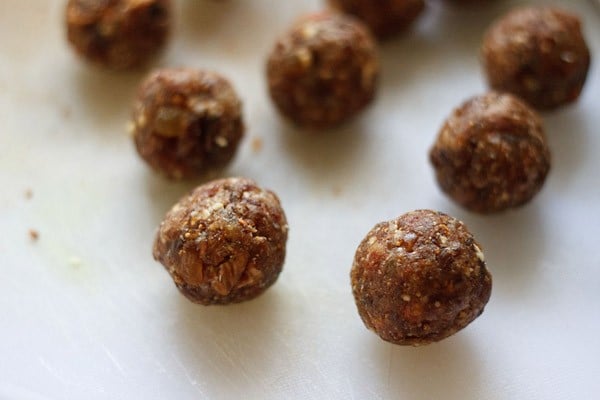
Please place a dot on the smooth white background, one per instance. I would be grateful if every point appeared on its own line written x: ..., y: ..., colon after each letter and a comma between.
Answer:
x: 85, y: 312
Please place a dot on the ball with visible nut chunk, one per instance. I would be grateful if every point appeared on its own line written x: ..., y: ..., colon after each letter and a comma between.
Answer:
x: 224, y: 242
x: 118, y: 34
x: 419, y: 278
x: 385, y: 18
x: 538, y: 54
x: 323, y: 71
x: 186, y: 122
x: 491, y: 154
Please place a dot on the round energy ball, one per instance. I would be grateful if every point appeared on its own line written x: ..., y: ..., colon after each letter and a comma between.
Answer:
x: 118, y: 34
x: 538, y: 54
x: 224, y: 242
x: 323, y: 71
x: 491, y: 154
x: 186, y: 122
x: 419, y: 278
x: 385, y: 18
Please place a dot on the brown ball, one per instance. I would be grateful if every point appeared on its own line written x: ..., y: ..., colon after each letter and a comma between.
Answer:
x: 224, y: 242
x: 323, y: 71
x: 538, y: 54
x: 186, y: 122
x: 385, y: 17
x: 491, y: 154
x: 118, y: 34
x: 419, y: 278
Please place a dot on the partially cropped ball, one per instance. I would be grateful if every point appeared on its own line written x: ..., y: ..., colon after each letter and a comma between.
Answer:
x: 385, y: 18
x: 491, y: 154
x: 323, y: 71
x: 538, y: 54
x: 224, y: 242
x: 419, y: 278
x: 186, y: 122
x: 118, y: 34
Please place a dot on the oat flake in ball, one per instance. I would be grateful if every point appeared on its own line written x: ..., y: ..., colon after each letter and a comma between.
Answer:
x: 224, y: 242
x: 491, y: 154
x: 323, y: 71
x: 118, y: 34
x: 538, y: 54
x: 419, y: 278
x: 186, y: 122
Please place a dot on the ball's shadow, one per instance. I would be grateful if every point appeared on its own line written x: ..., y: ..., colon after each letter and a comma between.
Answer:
x: 233, y: 338
x: 106, y: 96
x: 427, y: 41
x: 513, y: 243
x: 450, y: 369
x: 327, y: 157
x: 164, y: 193
x: 199, y: 20
x: 565, y: 131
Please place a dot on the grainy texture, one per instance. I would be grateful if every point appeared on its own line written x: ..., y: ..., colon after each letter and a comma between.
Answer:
x: 323, y: 71
x: 539, y: 54
x: 491, y: 153
x: 224, y: 242
x: 419, y: 278
x: 385, y: 18
x: 118, y: 34
x: 186, y: 122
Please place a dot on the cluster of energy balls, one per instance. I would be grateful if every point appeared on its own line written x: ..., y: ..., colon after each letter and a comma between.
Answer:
x: 416, y: 279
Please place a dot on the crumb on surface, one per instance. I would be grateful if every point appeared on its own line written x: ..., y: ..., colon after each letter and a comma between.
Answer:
x: 28, y: 194
x: 74, y: 261
x: 257, y: 144
x: 34, y: 235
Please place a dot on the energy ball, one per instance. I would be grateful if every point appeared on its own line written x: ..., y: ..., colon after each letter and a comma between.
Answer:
x: 385, y: 17
x: 538, y: 54
x: 323, y: 71
x: 224, y: 242
x: 491, y: 154
x: 118, y: 34
x: 186, y: 122
x: 419, y: 278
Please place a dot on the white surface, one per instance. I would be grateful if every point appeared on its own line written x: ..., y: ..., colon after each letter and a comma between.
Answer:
x: 86, y: 313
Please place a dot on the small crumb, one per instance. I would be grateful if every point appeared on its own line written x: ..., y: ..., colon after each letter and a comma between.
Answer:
x: 257, y: 144
x: 34, y: 235
x: 405, y: 297
x: 28, y: 194
x: 337, y: 191
x: 66, y: 112
x: 74, y: 261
